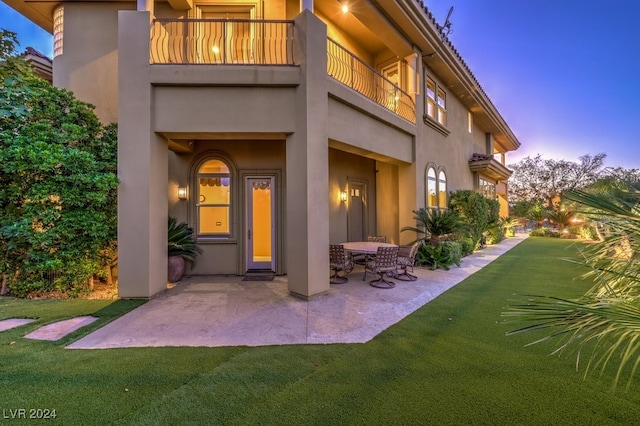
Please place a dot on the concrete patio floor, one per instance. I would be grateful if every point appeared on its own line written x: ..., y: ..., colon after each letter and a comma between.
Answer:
x: 226, y: 311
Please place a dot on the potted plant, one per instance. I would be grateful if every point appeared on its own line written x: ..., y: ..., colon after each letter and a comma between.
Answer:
x: 181, y: 247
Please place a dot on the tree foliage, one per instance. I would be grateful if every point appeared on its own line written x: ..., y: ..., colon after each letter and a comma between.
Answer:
x: 605, y: 322
x: 537, y: 179
x: 476, y: 210
x: 58, y: 183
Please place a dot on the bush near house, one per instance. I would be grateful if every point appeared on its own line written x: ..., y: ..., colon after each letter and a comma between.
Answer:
x: 476, y: 210
x: 58, y: 184
x: 544, y: 232
x: 449, y: 235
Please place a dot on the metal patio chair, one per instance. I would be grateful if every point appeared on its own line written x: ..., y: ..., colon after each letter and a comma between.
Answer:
x: 384, y: 262
x: 361, y: 259
x: 339, y: 260
x: 406, y: 260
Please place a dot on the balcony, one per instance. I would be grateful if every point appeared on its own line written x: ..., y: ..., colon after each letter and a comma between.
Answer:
x: 221, y: 41
x: 348, y: 69
x: 266, y: 42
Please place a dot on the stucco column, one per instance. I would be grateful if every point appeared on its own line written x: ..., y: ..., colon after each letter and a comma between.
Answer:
x: 308, y: 165
x: 142, y: 167
x: 411, y: 178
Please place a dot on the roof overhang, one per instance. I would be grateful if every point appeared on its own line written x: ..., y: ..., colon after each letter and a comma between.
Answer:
x: 490, y: 168
x: 443, y: 59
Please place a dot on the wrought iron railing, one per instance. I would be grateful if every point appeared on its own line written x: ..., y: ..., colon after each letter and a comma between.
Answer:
x: 221, y: 41
x: 347, y: 68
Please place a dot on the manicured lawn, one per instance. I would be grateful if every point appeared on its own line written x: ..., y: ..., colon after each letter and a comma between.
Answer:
x: 448, y: 363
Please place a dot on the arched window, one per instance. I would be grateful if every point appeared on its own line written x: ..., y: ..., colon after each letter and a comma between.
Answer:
x: 432, y: 194
x: 442, y: 189
x: 213, y: 202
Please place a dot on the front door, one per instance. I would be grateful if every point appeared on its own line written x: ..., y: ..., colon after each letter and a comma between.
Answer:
x: 260, y: 223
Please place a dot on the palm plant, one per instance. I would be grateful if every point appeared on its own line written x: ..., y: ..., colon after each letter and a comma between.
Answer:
x: 537, y: 213
x: 434, y: 225
x: 181, y: 241
x: 607, y: 317
x: 561, y: 217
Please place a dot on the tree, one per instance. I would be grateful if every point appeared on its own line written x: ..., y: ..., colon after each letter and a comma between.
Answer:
x: 57, y: 183
x: 548, y: 180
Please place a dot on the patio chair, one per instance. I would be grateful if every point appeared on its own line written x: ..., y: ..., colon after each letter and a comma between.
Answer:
x: 406, y: 260
x: 361, y: 259
x: 339, y: 260
x: 377, y: 238
x: 384, y: 262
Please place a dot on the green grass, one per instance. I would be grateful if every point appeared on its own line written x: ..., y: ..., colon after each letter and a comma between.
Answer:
x: 448, y: 363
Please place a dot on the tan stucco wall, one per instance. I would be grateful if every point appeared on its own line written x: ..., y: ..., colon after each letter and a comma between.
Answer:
x: 342, y: 167
x: 89, y: 63
x: 262, y: 157
x: 453, y: 151
x: 224, y: 109
x: 387, y: 206
x: 301, y: 107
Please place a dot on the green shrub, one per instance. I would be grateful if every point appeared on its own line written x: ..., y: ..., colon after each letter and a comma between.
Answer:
x: 495, y: 233
x: 447, y: 253
x: 544, y: 232
x: 477, y: 210
x: 58, y: 184
x: 466, y: 246
x: 569, y: 236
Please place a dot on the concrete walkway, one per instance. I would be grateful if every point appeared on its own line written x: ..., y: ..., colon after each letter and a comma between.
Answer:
x: 225, y: 311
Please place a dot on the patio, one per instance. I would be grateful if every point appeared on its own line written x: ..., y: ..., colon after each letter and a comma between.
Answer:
x: 226, y: 311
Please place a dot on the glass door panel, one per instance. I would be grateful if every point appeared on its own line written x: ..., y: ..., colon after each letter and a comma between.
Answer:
x: 260, y: 223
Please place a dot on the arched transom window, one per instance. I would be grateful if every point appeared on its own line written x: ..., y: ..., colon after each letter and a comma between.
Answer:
x: 436, y: 187
x: 442, y: 189
x: 213, y: 204
x: 432, y: 191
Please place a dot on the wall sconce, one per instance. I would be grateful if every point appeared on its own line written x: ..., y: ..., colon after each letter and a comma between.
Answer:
x: 344, y: 6
x: 182, y: 192
x: 343, y: 196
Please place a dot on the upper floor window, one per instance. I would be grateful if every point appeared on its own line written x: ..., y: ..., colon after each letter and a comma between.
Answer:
x: 436, y: 102
x: 213, y: 203
x: 436, y: 186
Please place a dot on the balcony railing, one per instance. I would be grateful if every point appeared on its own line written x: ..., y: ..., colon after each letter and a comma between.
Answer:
x: 221, y: 41
x: 348, y: 69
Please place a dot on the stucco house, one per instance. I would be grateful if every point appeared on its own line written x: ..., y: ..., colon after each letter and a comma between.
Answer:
x: 274, y: 127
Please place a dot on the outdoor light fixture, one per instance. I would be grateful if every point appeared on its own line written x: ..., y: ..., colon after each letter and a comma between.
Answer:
x: 182, y: 192
x: 344, y: 6
x: 343, y: 196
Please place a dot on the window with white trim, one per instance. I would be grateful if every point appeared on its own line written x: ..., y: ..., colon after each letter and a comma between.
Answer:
x: 442, y: 189
x: 436, y: 102
x: 213, y: 201
x: 432, y: 185
x: 436, y: 188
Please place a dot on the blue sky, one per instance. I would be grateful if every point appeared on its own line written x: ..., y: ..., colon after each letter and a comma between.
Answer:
x: 565, y: 74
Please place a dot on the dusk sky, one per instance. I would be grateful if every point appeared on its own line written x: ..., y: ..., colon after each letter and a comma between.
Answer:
x: 565, y: 74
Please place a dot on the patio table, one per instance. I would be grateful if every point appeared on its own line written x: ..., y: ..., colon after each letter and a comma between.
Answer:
x: 365, y: 247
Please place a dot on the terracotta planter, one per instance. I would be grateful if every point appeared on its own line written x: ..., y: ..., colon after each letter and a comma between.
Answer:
x: 176, y: 268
